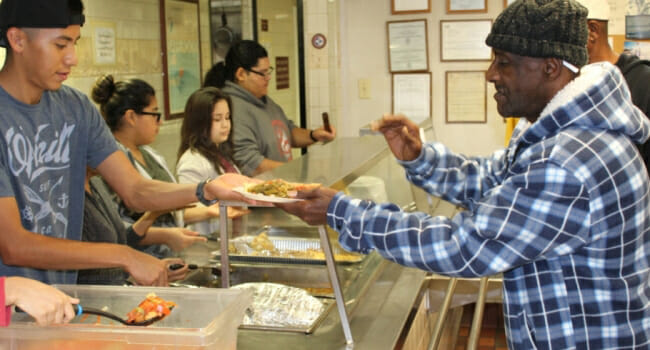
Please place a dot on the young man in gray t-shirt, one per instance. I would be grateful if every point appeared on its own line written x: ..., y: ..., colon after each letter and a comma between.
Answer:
x: 50, y: 133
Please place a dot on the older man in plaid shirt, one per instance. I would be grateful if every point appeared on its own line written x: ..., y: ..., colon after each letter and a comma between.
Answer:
x: 563, y: 212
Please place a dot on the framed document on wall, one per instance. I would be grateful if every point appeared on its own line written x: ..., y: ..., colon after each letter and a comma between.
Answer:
x: 465, y: 97
x: 407, y: 46
x: 400, y: 7
x: 465, y: 40
x: 411, y: 94
x: 466, y: 6
x: 507, y: 3
x: 181, y: 47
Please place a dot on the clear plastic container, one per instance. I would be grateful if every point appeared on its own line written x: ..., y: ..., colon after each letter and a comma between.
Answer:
x: 204, y: 318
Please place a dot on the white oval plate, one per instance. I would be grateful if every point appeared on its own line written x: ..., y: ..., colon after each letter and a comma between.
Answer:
x: 264, y: 198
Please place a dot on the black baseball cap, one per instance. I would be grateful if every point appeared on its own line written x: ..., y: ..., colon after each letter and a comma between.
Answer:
x: 39, y: 14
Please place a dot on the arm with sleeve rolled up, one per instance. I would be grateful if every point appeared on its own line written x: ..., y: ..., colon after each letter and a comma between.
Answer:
x: 513, y: 225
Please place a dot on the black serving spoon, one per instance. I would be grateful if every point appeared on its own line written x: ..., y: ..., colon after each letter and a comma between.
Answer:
x: 78, y: 309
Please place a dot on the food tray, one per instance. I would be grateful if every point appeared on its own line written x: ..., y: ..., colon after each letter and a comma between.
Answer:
x: 328, y: 304
x: 284, y: 244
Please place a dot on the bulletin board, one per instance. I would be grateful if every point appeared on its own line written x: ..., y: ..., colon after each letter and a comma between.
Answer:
x: 181, y: 43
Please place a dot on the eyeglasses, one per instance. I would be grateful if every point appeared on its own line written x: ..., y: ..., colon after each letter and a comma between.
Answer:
x: 262, y: 74
x: 155, y: 114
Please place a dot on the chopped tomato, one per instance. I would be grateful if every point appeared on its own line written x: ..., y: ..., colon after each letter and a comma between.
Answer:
x: 151, y: 307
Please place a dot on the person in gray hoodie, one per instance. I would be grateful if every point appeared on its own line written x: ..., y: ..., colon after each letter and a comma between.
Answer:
x: 263, y: 135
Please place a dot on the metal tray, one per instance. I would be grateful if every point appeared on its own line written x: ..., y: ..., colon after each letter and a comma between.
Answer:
x: 284, y: 244
x: 328, y: 305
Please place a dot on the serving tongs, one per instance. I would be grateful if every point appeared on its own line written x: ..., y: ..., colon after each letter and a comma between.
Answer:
x: 78, y: 309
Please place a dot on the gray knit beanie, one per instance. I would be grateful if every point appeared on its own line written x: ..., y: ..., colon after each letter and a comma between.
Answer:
x: 542, y: 28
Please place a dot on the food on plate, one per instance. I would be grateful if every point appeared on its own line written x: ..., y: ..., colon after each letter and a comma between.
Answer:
x: 151, y: 307
x: 279, y: 188
x: 276, y: 188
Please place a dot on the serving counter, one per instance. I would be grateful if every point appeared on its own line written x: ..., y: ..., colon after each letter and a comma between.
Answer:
x: 382, y: 298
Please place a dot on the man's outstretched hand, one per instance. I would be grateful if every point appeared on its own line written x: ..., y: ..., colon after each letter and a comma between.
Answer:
x: 402, y: 136
x: 313, y: 208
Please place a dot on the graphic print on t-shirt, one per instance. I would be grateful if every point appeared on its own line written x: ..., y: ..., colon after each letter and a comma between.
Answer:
x: 284, y: 140
x: 43, y: 199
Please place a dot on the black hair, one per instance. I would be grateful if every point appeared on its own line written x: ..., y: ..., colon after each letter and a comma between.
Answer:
x: 115, y: 98
x: 244, y: 54
x: 197, y: 127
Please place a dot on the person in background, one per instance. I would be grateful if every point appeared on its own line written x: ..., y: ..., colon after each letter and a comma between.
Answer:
x: 51, y: 133
x: 205, y: 151
x: 130, y: 109
x: 635, y: 70
x: 46, y: 304
x: 562, y: 212
x: 102, y: 223
x: 264, y: 135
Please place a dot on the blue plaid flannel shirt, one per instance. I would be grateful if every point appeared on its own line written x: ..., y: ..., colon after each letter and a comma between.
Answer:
x: 563, y: 213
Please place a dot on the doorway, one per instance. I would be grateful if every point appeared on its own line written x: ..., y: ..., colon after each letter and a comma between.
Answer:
x: 279, y: 28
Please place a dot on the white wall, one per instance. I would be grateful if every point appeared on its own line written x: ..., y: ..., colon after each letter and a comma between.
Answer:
x: 364, y: 56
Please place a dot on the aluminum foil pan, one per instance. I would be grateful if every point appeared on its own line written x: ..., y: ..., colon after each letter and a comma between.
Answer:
x: 276, y: 306
x: 285, y: 250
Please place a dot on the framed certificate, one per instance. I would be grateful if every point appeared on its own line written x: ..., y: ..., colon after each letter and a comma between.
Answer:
x: 411, y: 95
x: 465, y: 40
x: 407, y: 46
x: 507, y: 3
x: 465, y: 97
x: 399, y: 7
x: 466, y: 6
x: 637, y: 27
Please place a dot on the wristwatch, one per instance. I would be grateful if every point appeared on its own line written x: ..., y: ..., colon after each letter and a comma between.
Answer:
x: 200, y: 194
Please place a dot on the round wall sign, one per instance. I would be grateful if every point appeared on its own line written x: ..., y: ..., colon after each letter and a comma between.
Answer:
x: 319, y: 41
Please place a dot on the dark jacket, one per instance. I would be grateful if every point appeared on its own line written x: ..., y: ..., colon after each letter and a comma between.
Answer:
x: 637, y: 75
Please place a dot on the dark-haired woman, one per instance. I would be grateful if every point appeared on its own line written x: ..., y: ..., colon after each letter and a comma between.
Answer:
x: 205, y: 151
x: 264, y: 135
x: 130, y: 109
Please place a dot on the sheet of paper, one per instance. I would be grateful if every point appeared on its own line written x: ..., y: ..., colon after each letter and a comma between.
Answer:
x: 466, y: 5
x: 465, y: 40
x: 411, y: 5
x: 466, y: 97
x: 412, y: 96
x: 408, y: 46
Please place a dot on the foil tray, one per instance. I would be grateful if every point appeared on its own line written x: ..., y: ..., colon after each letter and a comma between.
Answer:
x: 284, y: 244
x: 328, y: 304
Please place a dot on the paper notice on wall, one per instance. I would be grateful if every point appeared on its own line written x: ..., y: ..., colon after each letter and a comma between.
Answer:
x: 104, y: 44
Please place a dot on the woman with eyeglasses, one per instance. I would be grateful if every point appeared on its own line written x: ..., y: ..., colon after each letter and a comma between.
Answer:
x: 264, y: 136
x: 130, y: 109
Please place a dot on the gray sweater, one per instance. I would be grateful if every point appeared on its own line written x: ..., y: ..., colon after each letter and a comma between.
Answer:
x: 261, y: 129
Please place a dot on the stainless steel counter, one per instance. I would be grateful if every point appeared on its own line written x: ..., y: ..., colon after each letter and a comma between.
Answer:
x: 376, y: 322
